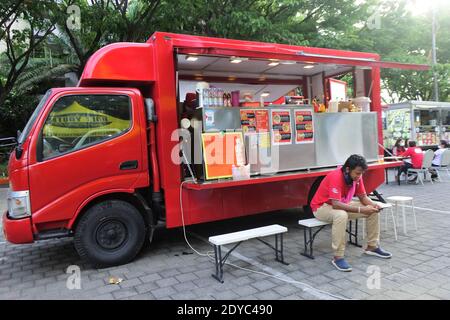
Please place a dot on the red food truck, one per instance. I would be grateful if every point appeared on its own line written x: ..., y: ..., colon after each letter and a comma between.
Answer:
x: 96, y: 162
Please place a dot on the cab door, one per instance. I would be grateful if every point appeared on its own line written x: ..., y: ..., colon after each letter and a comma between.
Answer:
x: 89, y: 142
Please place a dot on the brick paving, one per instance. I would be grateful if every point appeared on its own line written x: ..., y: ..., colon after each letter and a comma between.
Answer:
x: 168, y: 269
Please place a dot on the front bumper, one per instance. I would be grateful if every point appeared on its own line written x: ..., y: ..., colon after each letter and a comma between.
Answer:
x: 17, y: 231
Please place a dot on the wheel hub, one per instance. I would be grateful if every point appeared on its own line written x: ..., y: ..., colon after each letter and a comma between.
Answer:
x: 111, y: 234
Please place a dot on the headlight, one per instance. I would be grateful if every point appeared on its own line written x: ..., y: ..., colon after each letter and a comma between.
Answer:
x: 19, y: 204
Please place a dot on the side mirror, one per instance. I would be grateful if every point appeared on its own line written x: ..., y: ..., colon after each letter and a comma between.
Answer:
x: 19, y: 152
x: 64, y: 147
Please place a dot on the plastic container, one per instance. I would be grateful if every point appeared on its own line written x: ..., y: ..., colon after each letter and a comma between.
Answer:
x: 333, y: 106
x: 363, y: 103
x: 235, y: 98
x: 200, y: 90
x: 241, y: 172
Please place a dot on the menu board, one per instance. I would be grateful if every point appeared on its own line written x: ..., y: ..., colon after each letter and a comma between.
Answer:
x: 248, y: 121
x: 398, y: 123
x: 254, y: 120
x: 304, y: 128
x: 280, y: 127
x: 262, y: 120
x: 219, y: 152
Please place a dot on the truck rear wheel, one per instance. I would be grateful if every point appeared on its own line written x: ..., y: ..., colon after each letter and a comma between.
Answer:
x: 110, y: 233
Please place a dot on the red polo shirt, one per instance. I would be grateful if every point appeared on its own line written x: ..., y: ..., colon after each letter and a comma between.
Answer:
x: 333, y: 187
x: 416, y: 155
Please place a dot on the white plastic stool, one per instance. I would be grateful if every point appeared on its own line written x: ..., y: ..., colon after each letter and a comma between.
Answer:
x: 401, y: 200
x: 385, y: 206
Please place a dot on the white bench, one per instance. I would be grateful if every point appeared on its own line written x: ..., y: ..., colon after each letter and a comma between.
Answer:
x: 310, y: 224
x: 239, y: 237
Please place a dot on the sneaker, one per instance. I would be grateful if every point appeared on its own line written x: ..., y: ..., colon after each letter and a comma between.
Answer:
x: 341, y: 265
x: 378, y: 252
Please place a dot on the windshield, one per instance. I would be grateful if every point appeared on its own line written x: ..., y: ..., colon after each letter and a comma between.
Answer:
x: 27, y: 129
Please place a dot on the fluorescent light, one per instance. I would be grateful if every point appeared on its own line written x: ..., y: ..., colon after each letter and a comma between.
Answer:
x: 191, y: 58
x: 308, y: 66
x: 265, y: 94
x: 288, y: 62
x: 237, y: 59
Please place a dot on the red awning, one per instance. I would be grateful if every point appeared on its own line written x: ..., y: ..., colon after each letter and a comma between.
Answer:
x: 302, y: 56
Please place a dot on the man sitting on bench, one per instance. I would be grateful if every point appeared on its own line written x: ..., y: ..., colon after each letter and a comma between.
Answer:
x: 333, y: 203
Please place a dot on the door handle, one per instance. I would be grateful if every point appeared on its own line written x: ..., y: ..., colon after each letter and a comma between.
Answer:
x: 129, y: 165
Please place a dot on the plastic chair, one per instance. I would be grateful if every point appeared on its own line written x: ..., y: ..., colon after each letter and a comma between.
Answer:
x: 425, y: 169
x: 401, y: 200
x: 444, y: 165
x: 387, y: 211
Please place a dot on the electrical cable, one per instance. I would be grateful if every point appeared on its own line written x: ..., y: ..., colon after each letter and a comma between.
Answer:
x: 209, y: 254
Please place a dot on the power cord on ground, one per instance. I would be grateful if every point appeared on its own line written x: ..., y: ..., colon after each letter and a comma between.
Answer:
x: 210, y: 254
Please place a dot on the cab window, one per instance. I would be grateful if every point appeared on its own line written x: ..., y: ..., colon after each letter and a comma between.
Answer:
x: 80, y: 121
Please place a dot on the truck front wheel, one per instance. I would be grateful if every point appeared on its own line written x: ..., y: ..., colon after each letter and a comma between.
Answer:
x: 110, y: 233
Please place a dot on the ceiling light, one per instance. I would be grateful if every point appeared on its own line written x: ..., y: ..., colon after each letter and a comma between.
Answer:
x: 231, y: 78
x: 308, y: 66
x: 265, y: 94
x: 273, y: 63
x: 237, y: 59
x: 288, y: 62
x: 191, y: 58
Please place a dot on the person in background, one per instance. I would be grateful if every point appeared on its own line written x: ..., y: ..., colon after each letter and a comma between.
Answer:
x: 399, y: 147
x: 444, y: 145
x: 333, y: 203
x: 416, y: 155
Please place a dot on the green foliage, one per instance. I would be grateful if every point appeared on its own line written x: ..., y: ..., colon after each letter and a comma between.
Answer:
x: 3, y: 169
x: 340, y: 24
x: 15, y: 112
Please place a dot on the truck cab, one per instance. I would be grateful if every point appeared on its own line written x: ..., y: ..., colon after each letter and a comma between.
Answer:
x: 83, y: 149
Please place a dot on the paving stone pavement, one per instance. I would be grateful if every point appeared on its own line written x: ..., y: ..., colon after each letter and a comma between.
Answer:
x: 169, y: 269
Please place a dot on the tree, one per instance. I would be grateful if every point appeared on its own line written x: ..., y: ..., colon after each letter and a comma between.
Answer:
x: 20, y: 44
x: 104, y: 22
x: 405, y: 37
x: 299, y: 22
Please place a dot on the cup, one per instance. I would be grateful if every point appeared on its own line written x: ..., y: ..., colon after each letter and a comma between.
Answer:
x: 235, y: 98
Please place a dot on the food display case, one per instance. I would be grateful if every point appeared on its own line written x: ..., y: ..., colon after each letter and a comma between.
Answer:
x: 425, y: 122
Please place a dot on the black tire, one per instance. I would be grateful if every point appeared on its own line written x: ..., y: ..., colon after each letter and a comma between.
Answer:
x: 110, y: 233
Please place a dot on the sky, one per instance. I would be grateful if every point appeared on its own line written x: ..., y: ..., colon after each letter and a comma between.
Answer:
x: 419, y: 7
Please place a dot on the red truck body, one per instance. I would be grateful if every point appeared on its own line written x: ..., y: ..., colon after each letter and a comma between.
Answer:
x: 63, y: 188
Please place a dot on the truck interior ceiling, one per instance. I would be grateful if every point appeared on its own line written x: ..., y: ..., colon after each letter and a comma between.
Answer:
x: 259, y: 79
